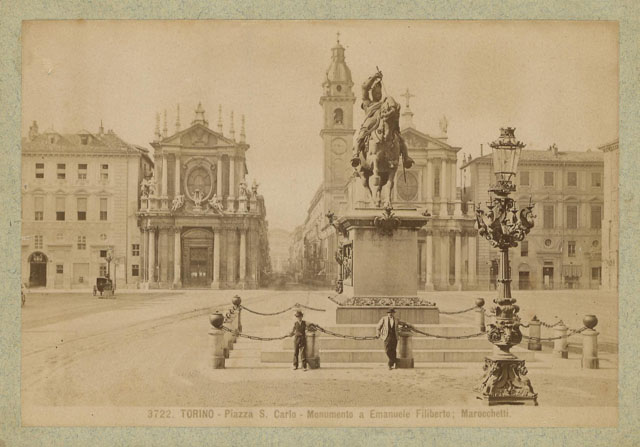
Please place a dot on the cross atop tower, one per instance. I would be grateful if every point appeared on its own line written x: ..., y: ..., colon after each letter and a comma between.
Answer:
x: 408, y: 96
x: 338, y: 37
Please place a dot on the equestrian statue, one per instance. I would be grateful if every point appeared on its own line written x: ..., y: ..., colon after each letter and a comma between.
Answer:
x: 379, y: 145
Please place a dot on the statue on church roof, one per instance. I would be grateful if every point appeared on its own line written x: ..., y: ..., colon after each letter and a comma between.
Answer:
x: 178, y: 202
x: 379, y: 145
x: 216, y: 204
x: 444, y: 124
x: 254, y: 188
x: 244, y: 190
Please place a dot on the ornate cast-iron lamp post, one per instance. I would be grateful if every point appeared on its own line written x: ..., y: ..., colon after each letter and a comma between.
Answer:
x: 504, y: 225
x: 109, y: 258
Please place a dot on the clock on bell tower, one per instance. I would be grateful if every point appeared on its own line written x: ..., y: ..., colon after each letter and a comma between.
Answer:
x: 337, y: 131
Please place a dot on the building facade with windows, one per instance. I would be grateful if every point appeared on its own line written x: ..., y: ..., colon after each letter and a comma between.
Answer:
x: 201, y: 225
x: 564, y: 249
x: 610, y: 219
x: 446, y: 245
x: 79, y: 201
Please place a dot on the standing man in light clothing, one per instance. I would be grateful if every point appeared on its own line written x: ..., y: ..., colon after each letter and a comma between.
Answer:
x: 387, y: 330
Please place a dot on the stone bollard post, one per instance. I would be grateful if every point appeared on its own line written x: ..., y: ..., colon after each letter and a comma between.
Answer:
x: 405, y: 349
x: 560, y: 345
x: 216, y: 337
x: 590, y: 343
x: 480, y: 315
x: 534, y: 335
x: 312, y: 348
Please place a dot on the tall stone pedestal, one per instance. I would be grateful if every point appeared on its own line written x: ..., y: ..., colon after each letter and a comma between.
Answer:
x: 380, y: 267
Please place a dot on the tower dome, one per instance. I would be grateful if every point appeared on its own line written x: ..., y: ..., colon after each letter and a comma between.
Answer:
x: 338, y: 72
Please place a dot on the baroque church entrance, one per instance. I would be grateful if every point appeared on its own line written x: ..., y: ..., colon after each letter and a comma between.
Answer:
x: 197, y: 258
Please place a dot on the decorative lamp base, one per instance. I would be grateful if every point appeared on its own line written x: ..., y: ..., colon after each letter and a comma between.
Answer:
x: 504, y: 383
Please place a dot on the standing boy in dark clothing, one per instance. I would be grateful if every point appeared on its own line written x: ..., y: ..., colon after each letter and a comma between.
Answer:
x: 299, y: 334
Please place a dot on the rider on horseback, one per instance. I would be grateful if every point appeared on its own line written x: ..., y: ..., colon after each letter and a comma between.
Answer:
x: 372, y: 102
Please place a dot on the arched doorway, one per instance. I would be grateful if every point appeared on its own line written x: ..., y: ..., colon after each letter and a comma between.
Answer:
x: 38, y: 269
x: 197, y: 258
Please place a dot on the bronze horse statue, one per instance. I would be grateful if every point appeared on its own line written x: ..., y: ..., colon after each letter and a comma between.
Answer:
x: 378, y: 167
x: 379, y: 144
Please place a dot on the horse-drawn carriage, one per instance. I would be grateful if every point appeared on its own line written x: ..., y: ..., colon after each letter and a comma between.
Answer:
x: 104, y: 285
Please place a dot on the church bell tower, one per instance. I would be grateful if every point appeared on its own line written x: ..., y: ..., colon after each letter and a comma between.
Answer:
x: 337, y: 131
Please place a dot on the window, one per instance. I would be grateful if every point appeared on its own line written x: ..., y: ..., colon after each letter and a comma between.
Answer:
x: 548, y: 178
x: 596, y: 273
x: 82, y: 171
x: 572, y: 178
x: 338, y: 116
x: 572, y: 217
x: 59, y: 208
x: 595, y: 180
x: 135, y: 249
x: 135, y: 270
x: 103, y: 270
x: 571, y: 249
x: 84, y: 139
x: 103, y: 253
x: 38, y: 242
x: 82, y: 208
x: 103, y: 209
x: 596, y: 216
x: 39, y: 170
x: 524, y: 178
x: 104, y: 172
x: 524, y: 249
x: 82, y: 242
x: 436, y: 182
x: 39, y: 208
x: 59, y: 268
x: 62, y: 171
x: 548, y: 216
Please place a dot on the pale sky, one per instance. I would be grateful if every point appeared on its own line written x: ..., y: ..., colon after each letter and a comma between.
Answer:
x: 556, y: 82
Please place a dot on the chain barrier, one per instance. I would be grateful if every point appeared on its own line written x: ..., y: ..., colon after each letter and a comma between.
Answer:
x: 569, y: 334
x: 335, y: 334
x: 267, y: 314
x: 551, y: 326
x: 253, y: 337
x: 459, y: 311
x: 449, y: 337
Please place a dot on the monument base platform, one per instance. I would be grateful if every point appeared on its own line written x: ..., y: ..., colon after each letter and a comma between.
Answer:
x: 373, y: 314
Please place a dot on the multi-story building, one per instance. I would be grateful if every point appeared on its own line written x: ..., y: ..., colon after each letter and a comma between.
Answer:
x: 201, y: 224
x: 79, y: 201
x: 610, y: 220
x: 446, y: 256
x: 563, y: 249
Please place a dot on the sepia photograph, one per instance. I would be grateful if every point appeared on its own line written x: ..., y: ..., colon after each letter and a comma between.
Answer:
x: 305, y: 223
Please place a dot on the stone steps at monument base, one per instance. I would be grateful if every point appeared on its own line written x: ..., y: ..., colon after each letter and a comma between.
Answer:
x: 419, y: 342
x: 366, y: 356
x: 253, y: 363
x: 368, y: 330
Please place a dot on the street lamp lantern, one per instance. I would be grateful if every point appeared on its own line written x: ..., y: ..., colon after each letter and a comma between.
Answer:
x: 504, y: 225
x: 506, y: 154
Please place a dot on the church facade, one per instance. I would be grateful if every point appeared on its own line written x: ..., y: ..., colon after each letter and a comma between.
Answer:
x: 201, y: 225
x: 446, y: 245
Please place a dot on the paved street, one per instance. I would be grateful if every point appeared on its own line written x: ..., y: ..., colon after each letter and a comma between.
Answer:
x: 153, y: 349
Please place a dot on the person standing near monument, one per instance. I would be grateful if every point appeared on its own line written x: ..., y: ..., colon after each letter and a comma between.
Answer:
x: 387, y: 330
x: 299, y: 333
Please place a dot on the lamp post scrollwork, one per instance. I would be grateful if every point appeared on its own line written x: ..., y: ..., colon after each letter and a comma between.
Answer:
x: 504, y: 225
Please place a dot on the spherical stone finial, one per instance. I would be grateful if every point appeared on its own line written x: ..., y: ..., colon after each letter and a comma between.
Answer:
x: 236, y: 300
x: 216, y: 319
x: 479, y: 302
x: 590, y: 321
